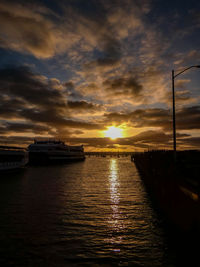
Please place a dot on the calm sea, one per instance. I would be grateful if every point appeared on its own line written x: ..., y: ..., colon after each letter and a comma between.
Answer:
x: 91, y: 213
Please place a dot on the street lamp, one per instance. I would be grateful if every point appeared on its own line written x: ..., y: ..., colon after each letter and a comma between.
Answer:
x: 173, y: 99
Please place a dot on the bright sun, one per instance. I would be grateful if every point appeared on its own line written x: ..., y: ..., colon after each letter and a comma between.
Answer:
x: 113, y: 132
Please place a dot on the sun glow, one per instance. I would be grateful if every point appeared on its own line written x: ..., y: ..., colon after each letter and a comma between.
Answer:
x: 113, y: 132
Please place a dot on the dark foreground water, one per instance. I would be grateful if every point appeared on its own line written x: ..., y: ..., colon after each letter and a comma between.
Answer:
x: 91, y: 213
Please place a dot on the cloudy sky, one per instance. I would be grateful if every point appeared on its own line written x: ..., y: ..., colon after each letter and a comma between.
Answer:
x: 71, y: 69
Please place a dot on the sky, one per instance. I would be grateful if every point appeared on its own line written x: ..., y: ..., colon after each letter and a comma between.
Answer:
x: 77, y: 69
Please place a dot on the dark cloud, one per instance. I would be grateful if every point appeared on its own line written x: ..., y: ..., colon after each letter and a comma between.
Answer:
x: 124, y: 86
x: 182, y: 97
x: 187, y: 118
x: 57, y: 120
x: 142, y: 118
x: 98, y: 33
x: 13, y: 127
x: 110, y: 53
x: 69, y: 85
x: 155, y: 137
x: 33, y: 88
x: 16, y: 140
x: 10, y: 107
x: 193, y: 142
x: 71, y: 91
x: 82, y: 105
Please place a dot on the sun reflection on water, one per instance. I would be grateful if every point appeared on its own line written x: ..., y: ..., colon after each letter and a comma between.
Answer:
x: 114, y: 184
x: 115, y: 220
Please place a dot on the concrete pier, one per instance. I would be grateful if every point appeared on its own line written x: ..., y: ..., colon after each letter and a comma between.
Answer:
x: 173, y: 185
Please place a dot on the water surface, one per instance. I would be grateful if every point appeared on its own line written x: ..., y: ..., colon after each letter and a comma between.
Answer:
x: 85, y: 213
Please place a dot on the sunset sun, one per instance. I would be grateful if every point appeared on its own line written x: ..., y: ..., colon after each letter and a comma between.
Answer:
x: 113, y: 132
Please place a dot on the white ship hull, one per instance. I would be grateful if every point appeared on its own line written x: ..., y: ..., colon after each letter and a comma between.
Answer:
x: 11, y: 159
x: 12, y: 165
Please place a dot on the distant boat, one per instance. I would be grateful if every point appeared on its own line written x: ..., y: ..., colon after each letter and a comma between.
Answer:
x: 12, y: 158
x: 54, y: 151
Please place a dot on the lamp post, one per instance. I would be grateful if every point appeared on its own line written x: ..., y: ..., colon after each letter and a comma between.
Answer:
x: 173, y: 102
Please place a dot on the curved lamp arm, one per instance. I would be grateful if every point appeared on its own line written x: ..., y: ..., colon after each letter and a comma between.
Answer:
x: 197, y: 66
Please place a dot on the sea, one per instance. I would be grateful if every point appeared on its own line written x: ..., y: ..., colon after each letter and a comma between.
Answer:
x: 91, y: 213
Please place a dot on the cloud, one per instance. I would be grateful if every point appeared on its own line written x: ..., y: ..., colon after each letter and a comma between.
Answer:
x: 193, y: 142
x: 57, y: 120
x: 100, y: 37
x: 182, y: 97
x: 142, y: 118
x: 25, y: 29
x: 9, y: 107
x: 82, y: 105
x: 33, y: 98
x: 13, y: 127
x: 16, y: 140
x: 123, y: 86
x: 181, y: 83
x: 21, y: 82
x: 111, y: 54
x: 38, y: 30
x: 186, y: 118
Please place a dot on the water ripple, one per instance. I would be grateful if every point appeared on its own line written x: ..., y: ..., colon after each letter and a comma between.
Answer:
x: 92, y: 212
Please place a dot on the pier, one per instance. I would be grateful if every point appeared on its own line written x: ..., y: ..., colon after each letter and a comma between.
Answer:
x: 173, y: 185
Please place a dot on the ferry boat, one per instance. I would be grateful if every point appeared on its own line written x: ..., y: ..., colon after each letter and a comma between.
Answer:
x: 54, y: 151
x: 12, y: 158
